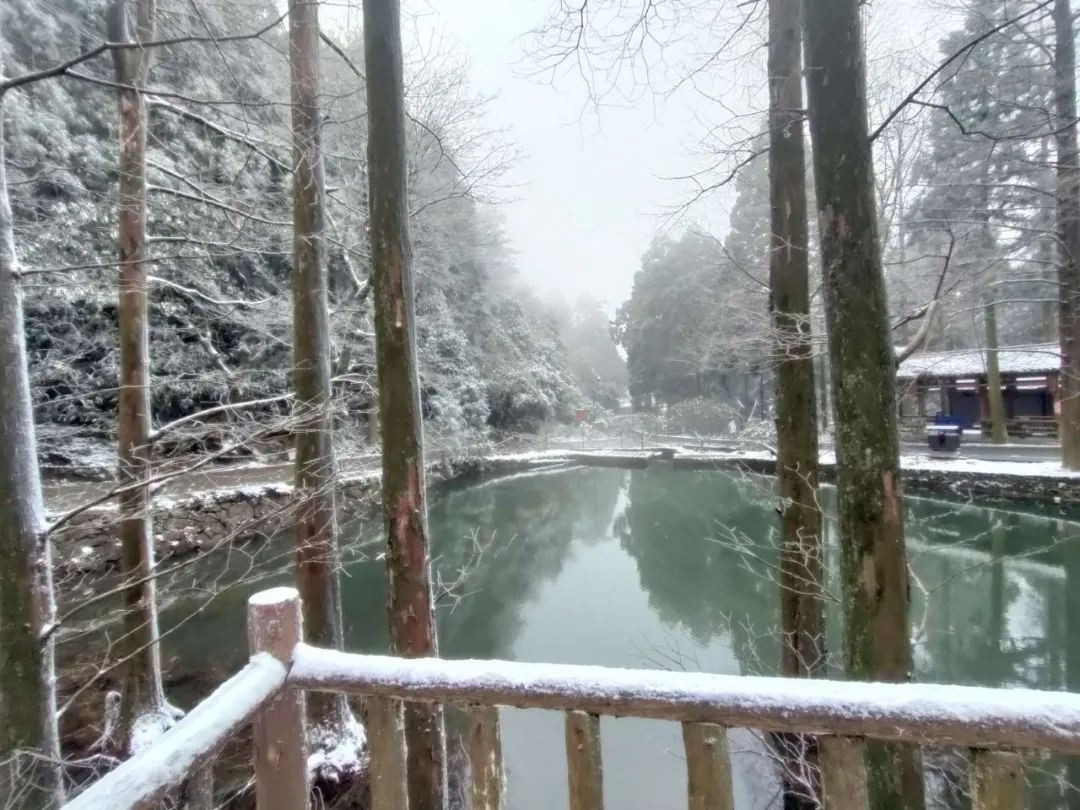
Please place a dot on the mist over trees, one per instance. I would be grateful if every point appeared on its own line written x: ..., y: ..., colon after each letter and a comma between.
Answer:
x: 218, y: 151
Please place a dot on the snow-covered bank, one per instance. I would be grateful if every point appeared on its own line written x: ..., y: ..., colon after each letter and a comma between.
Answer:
x: 239, y: 513
x: 979, y: 480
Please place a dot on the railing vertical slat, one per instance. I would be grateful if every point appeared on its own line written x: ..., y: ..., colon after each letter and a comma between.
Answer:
x: 583, y: 761
x: 386, y: 748
x: 279, y: 730
x: 485, y: 756
x: 843, y: 773
x: 997, y: 781
x: 708, y: 767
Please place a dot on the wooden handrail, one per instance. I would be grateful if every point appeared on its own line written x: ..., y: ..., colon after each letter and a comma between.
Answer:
x: 967, y: 716
x: 270, y: 689
x: 169, y: 759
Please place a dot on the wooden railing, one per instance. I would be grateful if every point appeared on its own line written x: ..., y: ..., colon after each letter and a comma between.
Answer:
x: 996, y: 724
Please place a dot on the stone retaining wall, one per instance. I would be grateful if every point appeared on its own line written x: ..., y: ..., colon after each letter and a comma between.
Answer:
x: 984, y: 488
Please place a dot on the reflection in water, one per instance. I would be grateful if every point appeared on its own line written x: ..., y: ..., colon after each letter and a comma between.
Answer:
x: 671, y: 569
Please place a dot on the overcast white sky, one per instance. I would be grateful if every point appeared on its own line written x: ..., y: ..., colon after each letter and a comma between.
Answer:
x: 591, y: 189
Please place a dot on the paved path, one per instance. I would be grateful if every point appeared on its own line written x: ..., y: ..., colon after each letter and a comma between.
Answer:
x: 996, y: 452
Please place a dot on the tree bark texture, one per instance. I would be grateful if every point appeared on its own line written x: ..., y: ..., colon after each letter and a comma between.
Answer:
x: 823, y: 389
x: 317, y: 558
x: 142, y: 690
x: 994, y: 395
x: 802, y: 608
x: 873, y: 554
x: 995, y: 399
x: 1046, y: 250
x: 802, y: 611
x: 1068, y: 224
x: 27, y: 609
x: 408, y: 556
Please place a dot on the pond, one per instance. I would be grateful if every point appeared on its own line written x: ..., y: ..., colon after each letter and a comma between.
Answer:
x: 671, y: 569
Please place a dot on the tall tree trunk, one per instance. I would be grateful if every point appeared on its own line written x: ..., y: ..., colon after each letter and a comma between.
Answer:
x: 802, y: 610
x: 1071, y: 563
x: 30, y: 768
x: 408, y: 556
x: 316, y: 521
x: 143, y: 703
x: 873, y: 554
x: 1046, y: 265
x: 823, y: 389
x: 1068, y: 223
x: 995, y: 397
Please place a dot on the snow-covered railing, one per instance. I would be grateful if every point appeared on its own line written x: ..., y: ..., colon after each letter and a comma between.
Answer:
x: 255, y: 693
x: 184, y: 747
x: 996, y: 724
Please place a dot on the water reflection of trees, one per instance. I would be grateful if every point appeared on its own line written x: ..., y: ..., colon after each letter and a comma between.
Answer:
x: 525, y: 527
x: 678, y: 526
x: 986, y: 598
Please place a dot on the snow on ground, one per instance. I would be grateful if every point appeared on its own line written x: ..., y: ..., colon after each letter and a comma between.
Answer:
x: 336, y: 754
x: 978, y: 466
x: 917, y: 461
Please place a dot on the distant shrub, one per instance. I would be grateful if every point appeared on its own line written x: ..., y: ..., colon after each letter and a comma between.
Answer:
x: 702, y: 417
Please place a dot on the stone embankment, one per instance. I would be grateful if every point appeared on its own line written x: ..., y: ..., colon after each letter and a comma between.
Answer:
x: 212, y: 518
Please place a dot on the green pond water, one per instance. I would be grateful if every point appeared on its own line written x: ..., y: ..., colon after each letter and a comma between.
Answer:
x: 672, y: 569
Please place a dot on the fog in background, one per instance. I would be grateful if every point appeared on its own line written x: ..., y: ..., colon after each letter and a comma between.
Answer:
x: 602, y: 154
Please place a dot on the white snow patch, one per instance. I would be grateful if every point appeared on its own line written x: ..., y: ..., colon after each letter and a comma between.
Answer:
x: 530, y: 455
x: 1037, y: 358
x: 911, y: 461
x: 272, y: 596
x: 979, y: 466
x: 148, y: 729
x: 335, y: 753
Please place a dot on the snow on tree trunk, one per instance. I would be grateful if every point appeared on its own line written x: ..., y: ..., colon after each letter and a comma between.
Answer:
x: 802, y: 610
x: 316, y: 523
x: 144, y: 712
x: 27, y: 610
x: 873, y: 554
x: 408, y: 556
x: 1068, y: 224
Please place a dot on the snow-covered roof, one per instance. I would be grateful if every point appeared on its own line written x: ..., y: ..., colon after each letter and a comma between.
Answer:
x: 1034, y: 359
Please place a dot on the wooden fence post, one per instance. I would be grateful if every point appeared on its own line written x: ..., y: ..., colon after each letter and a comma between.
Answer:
x: 997, y: 781
x: 708, y: 769
x: 583, y: 761
x: 279, y: 731
x: 843, y: 773
x: 386, y: 749
x: 485, y: 758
